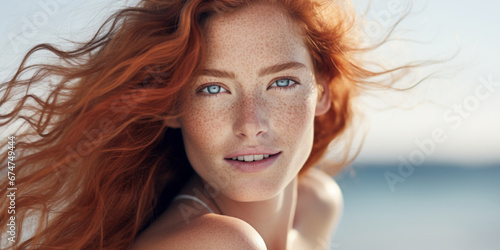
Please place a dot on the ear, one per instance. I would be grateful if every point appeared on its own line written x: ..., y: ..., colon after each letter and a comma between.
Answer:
x: 323, y: 104
x: 173, y: 123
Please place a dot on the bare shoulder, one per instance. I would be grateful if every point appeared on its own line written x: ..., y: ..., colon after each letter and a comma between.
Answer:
x: 321, y: 189
x: 319, y: 204
x: 209, y: 231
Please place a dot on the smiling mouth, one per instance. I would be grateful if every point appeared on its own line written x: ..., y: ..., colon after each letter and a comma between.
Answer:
x: 252, y: 158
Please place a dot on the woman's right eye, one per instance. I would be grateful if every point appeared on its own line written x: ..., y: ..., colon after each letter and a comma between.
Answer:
x: 213, y: 89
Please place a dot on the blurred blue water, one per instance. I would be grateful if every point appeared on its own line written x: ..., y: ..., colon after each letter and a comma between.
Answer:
x: 438, y: 206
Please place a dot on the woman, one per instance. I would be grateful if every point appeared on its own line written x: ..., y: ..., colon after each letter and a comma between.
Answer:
x: 189, y: 125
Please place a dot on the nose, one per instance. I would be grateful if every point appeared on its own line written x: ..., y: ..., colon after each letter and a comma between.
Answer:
x: 251, y: 119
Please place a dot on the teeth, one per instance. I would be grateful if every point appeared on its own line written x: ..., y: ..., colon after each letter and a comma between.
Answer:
x: 249, y: 158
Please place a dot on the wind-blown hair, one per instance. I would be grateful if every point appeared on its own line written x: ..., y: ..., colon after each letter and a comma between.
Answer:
x: 99, y: 162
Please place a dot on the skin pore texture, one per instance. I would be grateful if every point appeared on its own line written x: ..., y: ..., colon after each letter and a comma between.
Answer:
x: 257, y: 88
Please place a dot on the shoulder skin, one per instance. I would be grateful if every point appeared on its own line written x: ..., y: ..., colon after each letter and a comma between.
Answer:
x: 209, y: 231
x: 320, y: 205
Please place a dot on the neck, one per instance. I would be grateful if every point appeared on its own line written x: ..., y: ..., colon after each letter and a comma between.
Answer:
x: 272, y: 218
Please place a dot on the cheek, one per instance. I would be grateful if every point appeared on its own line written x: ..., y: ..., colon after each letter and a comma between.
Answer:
x: 294, y: 116
x: 204, y: 123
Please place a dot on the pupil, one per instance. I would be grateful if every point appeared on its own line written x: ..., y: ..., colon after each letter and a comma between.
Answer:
x: 282, y: 83
x: 213, y: 89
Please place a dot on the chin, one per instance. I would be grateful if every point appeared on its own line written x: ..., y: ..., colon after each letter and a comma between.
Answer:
x: 250, y: 187
x: 257, y: 188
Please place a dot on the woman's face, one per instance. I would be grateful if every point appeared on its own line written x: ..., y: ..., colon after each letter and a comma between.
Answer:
x: 256, y: 95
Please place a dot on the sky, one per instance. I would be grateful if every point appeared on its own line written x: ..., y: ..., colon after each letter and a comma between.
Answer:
x: 452, y: 117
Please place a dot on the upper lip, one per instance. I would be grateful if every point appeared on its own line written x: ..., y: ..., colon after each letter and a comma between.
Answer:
x: 260, y: 150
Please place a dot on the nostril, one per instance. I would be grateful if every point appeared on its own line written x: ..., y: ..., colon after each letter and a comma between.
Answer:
x: 250, y: 124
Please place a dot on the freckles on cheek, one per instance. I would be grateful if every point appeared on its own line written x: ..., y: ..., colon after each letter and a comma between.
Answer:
x: 294, y: 114
x: 204, y: 122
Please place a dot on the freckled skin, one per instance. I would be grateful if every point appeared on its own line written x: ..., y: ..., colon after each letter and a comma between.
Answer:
x: 248, y: 111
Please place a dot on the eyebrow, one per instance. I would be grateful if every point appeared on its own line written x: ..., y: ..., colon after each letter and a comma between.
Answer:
x: 262, y: 72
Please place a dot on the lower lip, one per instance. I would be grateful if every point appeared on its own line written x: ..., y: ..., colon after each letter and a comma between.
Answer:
x: 253, y: 166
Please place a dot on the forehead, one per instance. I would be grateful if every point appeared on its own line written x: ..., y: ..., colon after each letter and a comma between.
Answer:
x: 253, y: 35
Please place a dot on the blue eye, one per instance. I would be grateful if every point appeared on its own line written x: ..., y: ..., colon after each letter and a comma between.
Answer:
x: 213, y: 89
x: 283, y: 83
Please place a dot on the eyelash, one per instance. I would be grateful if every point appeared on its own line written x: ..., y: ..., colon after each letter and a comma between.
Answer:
x: 293, y: 85
x: 287, y: 87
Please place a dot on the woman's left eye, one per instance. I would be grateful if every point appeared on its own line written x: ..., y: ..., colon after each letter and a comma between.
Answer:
x: 284, y: 83
x: 213, y: 89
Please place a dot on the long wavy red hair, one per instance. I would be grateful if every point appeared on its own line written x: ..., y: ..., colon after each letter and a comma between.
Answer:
x: 98, y: 162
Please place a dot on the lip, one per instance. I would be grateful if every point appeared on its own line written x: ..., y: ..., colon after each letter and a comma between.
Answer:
x: 253, y: 166
x: 252, y: 151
